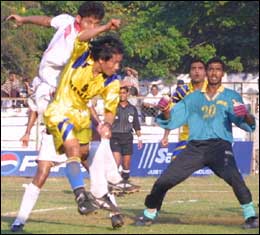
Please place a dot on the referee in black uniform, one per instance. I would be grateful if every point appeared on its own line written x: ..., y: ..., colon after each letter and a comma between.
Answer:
x: 121, y: 142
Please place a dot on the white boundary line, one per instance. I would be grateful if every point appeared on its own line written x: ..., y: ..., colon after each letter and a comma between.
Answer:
x: 38, y: 211
x: 12, y: 213
x: 148, y: 190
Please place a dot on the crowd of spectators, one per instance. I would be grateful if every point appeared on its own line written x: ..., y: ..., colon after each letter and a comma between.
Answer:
x: 15, y: 87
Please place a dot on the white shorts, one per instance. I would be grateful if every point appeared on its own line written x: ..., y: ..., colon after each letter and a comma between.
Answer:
x: 39, y: 101
x: 47, y: 150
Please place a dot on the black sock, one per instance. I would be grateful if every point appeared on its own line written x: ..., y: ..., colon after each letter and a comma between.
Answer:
x: 77, y: 191
x: 125, y: 174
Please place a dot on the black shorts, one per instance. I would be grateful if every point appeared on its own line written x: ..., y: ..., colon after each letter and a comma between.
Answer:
x: 122, y: 143
x: 217, y: 154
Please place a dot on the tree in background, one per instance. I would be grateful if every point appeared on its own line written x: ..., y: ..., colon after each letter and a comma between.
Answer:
x: 160, y: 37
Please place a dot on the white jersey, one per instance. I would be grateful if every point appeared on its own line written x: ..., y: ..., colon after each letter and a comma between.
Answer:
x: 152, y: 99
x: 52, y: 63
x: 35, y: 83
x: 59, y: 50
x: 31, y: 100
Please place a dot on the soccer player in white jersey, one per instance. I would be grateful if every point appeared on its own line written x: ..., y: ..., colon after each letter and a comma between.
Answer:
x: 53, y: 61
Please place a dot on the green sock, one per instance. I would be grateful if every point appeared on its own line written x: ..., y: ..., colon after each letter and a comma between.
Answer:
x: 149, y: 214
x: 248, y: 210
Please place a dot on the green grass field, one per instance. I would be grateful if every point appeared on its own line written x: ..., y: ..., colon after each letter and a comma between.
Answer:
x: 200, y: 205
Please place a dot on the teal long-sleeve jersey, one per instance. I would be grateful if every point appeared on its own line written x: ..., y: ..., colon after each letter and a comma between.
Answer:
x: 207, y: 118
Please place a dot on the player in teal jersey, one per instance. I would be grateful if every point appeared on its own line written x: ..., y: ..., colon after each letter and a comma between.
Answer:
x: 209, y: 114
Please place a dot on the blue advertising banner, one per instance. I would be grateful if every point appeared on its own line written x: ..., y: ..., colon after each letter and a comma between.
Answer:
x: 151, y: 160
x: 22, y: 163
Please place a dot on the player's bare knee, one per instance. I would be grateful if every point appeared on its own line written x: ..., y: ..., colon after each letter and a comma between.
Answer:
x: 73, y: 151
x: 72, y: 148
x: 41, y: 176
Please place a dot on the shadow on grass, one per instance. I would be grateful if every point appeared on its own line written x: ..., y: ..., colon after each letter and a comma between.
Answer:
x: 133, y: 214
x: 9, y: 220
x: 166, y: 217
x: 9, y: 232
x: 67, y: 192
x: 232, y: 209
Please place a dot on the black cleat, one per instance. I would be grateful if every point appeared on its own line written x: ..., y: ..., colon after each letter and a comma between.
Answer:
x: 17, y: 227
x: 117, y: 221
x: 251, y: 222
x: 130, y: 188
x: 106, y: 204
x: 144, y: 221
x: 115, y: 189
x: 86, y: 203
x: 123, y: 187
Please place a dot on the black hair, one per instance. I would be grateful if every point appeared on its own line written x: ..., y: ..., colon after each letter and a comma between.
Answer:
x: 108, y: 125
x: 105, y: 47
x: 11, y: 72
x: 180, y: 82
x: 197, y: 60
x: 124, y: 88
x: 216, y: 60
x: 133, y: 91
x: 154, y: 85
x: 94, y: 9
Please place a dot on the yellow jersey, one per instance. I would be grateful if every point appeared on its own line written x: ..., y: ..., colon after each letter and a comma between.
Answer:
x: 77, y: 86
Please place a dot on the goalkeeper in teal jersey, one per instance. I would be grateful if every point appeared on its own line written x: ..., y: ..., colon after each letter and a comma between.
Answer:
x: 209, y: 114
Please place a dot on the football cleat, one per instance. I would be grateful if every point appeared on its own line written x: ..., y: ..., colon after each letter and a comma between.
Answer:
x: 17, y: 227
x: 131, y: 188
x: 86, y: 203
x: 117, y: 221
x: 144, y: 221
x: 106, y: 204
x: 115, y: 189
x: 123, y: 187
x: 147, y: 218
x: 251, y: 222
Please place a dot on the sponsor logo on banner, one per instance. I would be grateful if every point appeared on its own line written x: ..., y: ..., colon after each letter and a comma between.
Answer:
x: 154, y: 155
x: 22, y: 163
x: 155, y: 159
x: 10, y: 162
x: 151, y: 160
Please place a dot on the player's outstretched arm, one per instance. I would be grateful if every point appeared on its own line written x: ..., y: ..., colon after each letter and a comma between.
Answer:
x: 87, y: 34
x: 38, y: 20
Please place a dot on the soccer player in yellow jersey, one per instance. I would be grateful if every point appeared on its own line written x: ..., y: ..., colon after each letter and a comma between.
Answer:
x: 85, y: 25
x: 90, y: 72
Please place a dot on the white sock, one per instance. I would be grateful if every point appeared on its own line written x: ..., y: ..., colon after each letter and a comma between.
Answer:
x: 112, y: 198
x: 30, y: 197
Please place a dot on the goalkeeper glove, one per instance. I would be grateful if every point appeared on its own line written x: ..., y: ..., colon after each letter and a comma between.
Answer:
x: 239, y: 109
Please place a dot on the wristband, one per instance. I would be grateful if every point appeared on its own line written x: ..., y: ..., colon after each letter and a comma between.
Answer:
x: 139, y: 138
